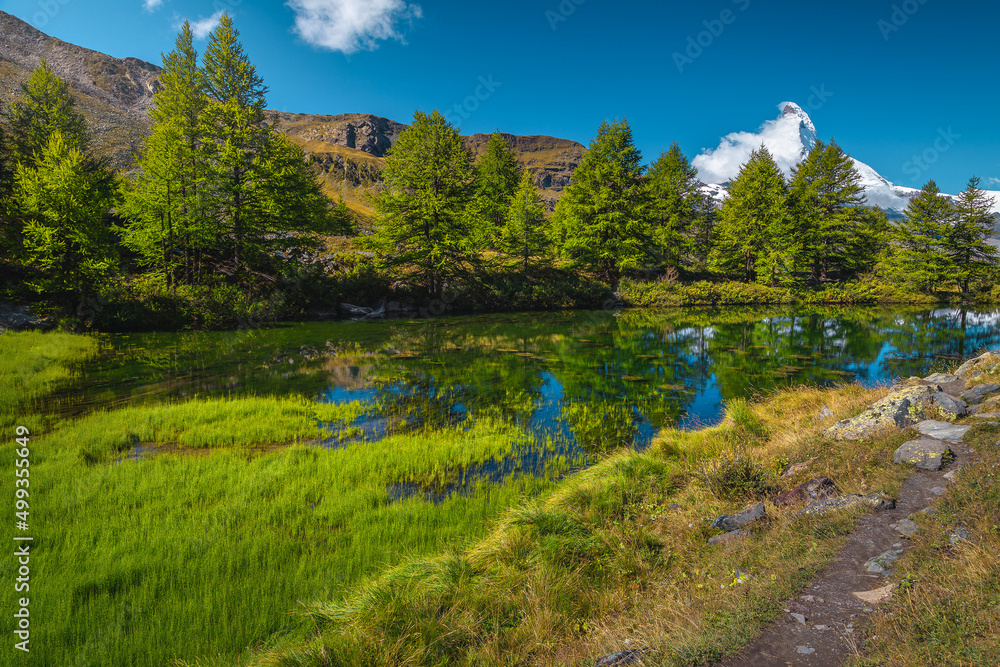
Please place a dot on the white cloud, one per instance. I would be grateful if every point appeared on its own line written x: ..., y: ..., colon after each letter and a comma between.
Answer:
x: 784, y: 138
x: 203, y: 27
x: 151, y: 5
x: 351, y: 25
x: 993, y: 181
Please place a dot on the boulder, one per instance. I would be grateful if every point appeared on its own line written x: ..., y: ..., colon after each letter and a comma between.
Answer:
x: 902, y: 407
x: 942, y: 430
x: 877, y: 500
x: 926, y: 453
x: 984, y: 359
x: 820, y: 488
x: 949, y: 405
x: 730, y: 522
x: 979, y: 392
x: 942, y: 378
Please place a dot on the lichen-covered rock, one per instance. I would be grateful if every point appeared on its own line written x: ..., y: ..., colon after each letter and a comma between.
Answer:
x: 983, y: 360
x: 815, y: 489
x: 942, y: 378
x: 949, y: 405
x: 902, y: 407
x: 925, y: 453
x: 730, y: 522
x: 879, y: 501
x: 942, y: 430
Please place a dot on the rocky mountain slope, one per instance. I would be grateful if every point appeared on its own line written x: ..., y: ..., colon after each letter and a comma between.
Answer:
x: 347, y: 149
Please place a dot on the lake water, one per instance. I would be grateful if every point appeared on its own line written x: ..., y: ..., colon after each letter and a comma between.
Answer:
x: 597, y: 380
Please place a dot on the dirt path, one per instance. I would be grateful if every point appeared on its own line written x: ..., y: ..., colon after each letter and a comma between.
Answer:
x: 834, y: 617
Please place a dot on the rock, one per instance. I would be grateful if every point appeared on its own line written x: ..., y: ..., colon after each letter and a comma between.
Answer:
x: 731, y: 522
x: 799, y: 617
x: 938, y: 490
x: 355, y: 311
x: 978, y: 393
x: 825, y: 413
x: 942, y: 378
x: 875, y: 596
x: 797, y: 608
x: 883, y: 562
x: 950, y: 476
x: 731, y: 536
x: 951, y: 406
x: 17, y: 318
x: 675, y: 507
x: 622, y: 658
x: 798, y: 467
x: 926, y: 453
x: 942, y: 430
x: 877, y: 500
x: 960, y: 534
x: 902, y: 407
x: 907, y: 528
x: 984, y: 359
x: 987, y: 415
x: 805, y: 650
x: 820, y: 488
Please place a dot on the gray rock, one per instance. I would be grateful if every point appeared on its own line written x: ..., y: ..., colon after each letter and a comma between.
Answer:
x: 982, y: 360
x: 731, y: 536
x: 805, y: 650
x: 987, y: 415
x: 622, y: 658
x: 877, y: 500
x: 942, y: 378
x: 797, y: 467
x: 950, y: 476
x: 815, y: 489
x: 958, y: 535
x: 979, y: 392
x: 902, y: 407
x: 938, y: 490
x: 825, y: 413
x: 907, y: 528
x: 731, y: 522
x: 926, y: 453
x: 883, y: 562
x: 942, y: 430
x: 799, y: 617
x: 951, y: 406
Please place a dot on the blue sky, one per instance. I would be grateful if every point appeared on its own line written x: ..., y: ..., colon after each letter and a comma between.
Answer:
x: 887, y: 80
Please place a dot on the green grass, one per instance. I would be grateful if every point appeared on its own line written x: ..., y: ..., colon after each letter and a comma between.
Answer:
x: 208, y: 549
x: 31, y: 365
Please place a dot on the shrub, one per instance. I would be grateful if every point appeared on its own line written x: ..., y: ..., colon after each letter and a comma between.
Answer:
x: 736, y: 475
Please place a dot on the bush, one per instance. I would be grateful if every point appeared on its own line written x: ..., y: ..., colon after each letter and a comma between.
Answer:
x: 738, y: 476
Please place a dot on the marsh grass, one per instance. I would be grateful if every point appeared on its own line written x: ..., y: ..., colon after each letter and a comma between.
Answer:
x: 615, y: 552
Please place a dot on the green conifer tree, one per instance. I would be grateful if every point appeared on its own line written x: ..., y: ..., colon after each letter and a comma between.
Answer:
x: 46, y: 107
x: 497, y: 174
x: 920, y: 239
x: 966, y: 245
x: 524, y: 234
x: 422, y: 225
x: 604, y: 211
x: 679, y: 214
x: 753, y: 232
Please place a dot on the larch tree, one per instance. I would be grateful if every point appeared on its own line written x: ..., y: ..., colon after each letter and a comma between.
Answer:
x: 46, y: 106
x: 497, y: 174
x: 679, y: 216
x: 422, y: 227
x: 524, y: 234
x: 920, y: 240
x: 965, y: 245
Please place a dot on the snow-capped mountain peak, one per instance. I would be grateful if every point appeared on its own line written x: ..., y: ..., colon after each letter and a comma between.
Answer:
x: 807, y: 131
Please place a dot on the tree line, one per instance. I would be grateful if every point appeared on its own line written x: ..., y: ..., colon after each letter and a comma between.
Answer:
x: 218, y: 195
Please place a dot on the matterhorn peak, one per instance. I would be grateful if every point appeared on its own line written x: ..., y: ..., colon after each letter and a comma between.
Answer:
x: 807, y: 131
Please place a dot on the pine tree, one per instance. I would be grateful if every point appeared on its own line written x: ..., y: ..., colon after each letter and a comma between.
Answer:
x: 603, y: 212
x: 524, y: 234
x: 497, y: 174
x: 679, y: 213
x: 46, y: 107
x: 66, y: 234
x: 753, y: 235
x: 422, y: 210
x: 825, y: 202
x: 920, y: 239
x: 966, y: 246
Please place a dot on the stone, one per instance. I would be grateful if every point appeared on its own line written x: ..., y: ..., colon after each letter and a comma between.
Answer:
x: 883, y: 562
x: 902, y: 407
x: 798, y: 467
x: 805, y: 650
x: 960, y: 534
x: 951, y: 406
x: 978, y: 393
x: 731, y: 536
x: 675, y: 507
x: 938, y: 490
x: 926, y: 453
x: 942, y: 430
x: 875, y: 596
x: 628, y: 657
x: 942, y: 378
x: 797, y: 608
x: 799, y: 617
x: 730, y: 522
x: 907, y: 528
x: 950, y: 476
x: 983, y: 359
x: 825, y: 413
x: 820, y: 488
x: 987, y: 415
x: 877, y: 500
